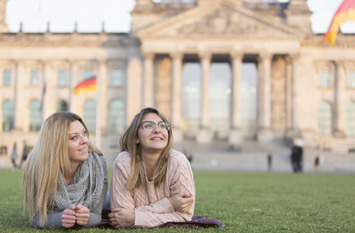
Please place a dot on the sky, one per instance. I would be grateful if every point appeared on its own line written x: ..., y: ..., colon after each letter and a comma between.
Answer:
x: 89, y: 15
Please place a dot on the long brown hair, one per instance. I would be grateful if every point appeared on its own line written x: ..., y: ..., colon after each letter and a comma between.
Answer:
x: 49, y: 157
x: 128, y: 143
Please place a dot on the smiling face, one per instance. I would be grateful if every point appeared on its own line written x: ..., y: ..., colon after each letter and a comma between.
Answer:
x: 78, y: 144
x: 155, y: 140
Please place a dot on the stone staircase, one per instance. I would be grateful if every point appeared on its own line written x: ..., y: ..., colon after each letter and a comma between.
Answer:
x: 251, y: 156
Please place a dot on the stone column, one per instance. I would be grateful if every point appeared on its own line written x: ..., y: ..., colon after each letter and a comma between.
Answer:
x: 21, y: 106
x: 177, y: 96
x: 289, y: 92
x: 148, y: 84
x: 48, y: 80
x: 102, y: 92
x: 294, y: 130
x: 134, y: 85
x: 204, y: 136
x: 264, y: 98
x: 74, y: 72
x: 339, y: 100
x: 235, y: 136
x: 291, y: 97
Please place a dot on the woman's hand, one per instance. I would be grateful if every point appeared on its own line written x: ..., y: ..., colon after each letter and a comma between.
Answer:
x: 68, y: 217
x: 181, y: 202
x: 82, y: 214
x: 122, y: 217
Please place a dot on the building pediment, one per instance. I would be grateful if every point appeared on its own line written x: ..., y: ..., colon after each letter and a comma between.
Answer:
x: 220, y: 21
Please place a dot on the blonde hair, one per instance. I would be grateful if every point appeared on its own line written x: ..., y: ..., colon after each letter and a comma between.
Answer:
x: 48, y: 157
x: 129, y: 143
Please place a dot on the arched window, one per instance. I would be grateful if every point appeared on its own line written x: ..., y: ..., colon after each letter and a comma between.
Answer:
x: 7, y: 115
x: 324, y: 118
x: 350, y: 119
x: 62, y: 106
x: 116, y: 117
x: 90, y: 115
x: 35, y: 115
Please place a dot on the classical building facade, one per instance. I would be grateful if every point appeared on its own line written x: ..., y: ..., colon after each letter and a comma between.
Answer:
x: 229, y: 70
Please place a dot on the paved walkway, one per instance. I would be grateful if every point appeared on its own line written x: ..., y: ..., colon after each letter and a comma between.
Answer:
x: 252, y: 157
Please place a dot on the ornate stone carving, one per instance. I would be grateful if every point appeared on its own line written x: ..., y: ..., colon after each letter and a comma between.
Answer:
x: 65, y: 39
x: 228, y: 22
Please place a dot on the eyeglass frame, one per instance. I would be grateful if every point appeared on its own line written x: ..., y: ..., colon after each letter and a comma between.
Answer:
x: 155, y: 124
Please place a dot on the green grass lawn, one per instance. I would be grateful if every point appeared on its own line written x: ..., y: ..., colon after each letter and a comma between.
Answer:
x: 244, y: 202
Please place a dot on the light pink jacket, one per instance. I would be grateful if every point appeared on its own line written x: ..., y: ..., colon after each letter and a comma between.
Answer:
x: 150, y: 204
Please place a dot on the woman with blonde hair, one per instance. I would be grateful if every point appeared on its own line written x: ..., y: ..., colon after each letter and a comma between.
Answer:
x: 65, y: 175
x: 151, y: 183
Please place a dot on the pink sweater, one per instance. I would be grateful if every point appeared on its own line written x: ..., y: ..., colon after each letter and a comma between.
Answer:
x: 151, y: 205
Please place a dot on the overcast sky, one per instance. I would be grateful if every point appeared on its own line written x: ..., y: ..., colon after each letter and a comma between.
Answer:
x: 90, y: 15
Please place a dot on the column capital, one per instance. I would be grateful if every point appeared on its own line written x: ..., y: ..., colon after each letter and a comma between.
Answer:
x: 148, y: 55
x: 236, y: 55
x: 340, y: 63
x: 15, y: 61
x: 294, y: 56
x: 102, y: 61
x: 265, y: 55
x: 176, y: 55
x: 205, y: 55
x: 46, y: 62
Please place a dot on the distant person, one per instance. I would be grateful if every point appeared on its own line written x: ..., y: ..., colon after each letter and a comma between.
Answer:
x: 297, y: 155
x: 151, y: 183
x: 293, y: 157
x: 316, y: 164
x: 269, y: 161
x: 25, y: 152
x: 189, y: 156
x: 14, y: 156
x: 65, y: 176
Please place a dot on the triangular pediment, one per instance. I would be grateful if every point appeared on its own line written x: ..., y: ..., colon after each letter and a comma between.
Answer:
x: 221, y: 20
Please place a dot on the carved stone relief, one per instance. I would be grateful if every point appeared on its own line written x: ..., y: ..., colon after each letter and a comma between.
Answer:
x: 227, y: 22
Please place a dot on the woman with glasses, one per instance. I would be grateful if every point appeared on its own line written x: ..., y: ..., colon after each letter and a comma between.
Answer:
x: 65, y: 176
x: 151, y: 183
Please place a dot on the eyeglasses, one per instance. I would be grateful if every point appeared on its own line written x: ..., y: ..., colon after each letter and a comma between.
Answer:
x: 150, y: 125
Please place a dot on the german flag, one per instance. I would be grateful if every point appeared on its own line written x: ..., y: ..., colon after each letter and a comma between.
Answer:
x: 345, y: 12
x: 87, y: 85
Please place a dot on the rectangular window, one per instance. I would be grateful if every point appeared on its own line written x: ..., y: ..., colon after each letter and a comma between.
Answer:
x: 351, y: 79
x: 6, y: 78
x: 117, y: 78
x: 325, y: 79
x: 62, y: 78
x: 88, y: 74
x: 34, y: 78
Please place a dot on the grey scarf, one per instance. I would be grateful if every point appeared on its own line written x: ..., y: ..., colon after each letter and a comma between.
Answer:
x: 86, y: 187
